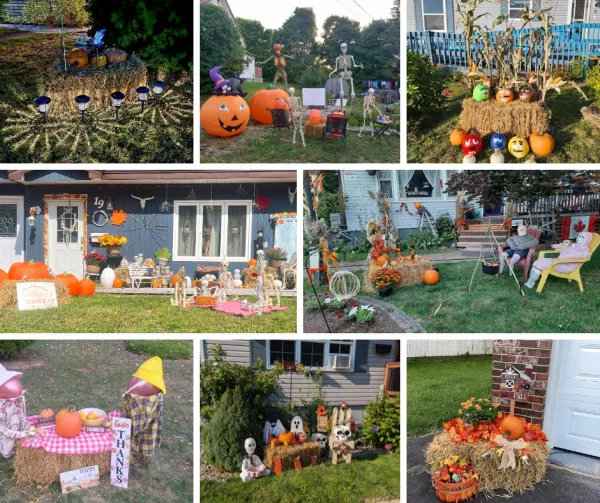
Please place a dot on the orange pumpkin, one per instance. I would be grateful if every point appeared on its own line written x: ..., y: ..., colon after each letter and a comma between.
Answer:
x: 224, y: 115
x: 3, y: 276
x: 541, y: 144
x: 174, y: 280
x: 504, y: 95
x: 280, y: 103
x: 68, y: 423
x: 263, y: 101
x: 457, y: 137
x: 286, y: 438
x: 118, y: 283
x: 17, y: 271
x: 382, y: 259
x: 86, y: 287
x: 314, y: 117
x: 417, y: 205
x: 71, y: 282
x: 512, y: 427
x: 47, y: 413
x: 252, y: 262
x: 431, y: 277
x: 157, y: 283
x: 77, y: 58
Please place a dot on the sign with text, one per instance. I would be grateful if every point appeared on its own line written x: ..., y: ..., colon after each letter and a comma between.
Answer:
x: 121, y: 450
x: 95, y: 429
x: 84, y: 478
x: 515, y: 395
x: 32, y: 296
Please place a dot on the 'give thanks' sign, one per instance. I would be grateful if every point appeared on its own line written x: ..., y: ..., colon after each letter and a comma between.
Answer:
x: 121, y: 448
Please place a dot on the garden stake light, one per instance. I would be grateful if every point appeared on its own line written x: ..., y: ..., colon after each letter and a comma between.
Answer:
x: 43, y: 104
x: 117, y: 98
x: 143, y: 93
x: 159, y: 86
x: 82, y: 103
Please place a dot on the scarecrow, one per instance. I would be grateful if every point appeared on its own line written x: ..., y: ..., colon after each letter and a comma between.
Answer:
x: 279, y: 64
x: 144, y: 406
x: 518, y: 247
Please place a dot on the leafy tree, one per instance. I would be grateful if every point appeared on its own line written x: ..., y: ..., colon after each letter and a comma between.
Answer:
x: 10, y: 348
x: 298, y: 36
x: 336, y: 30
x: 378, y: 51
x: 395, y: 14
x: 424, y: 85
x: 36, y: 11
x: 257, y: 38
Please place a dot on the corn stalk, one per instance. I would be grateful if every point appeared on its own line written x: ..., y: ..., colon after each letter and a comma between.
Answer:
x: 466, y: 10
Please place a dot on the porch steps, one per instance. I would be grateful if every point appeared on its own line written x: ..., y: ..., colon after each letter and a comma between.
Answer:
x: 474, y: 252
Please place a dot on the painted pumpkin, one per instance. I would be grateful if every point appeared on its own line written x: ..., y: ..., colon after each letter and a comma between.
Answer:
x: 498, y: 141
x: 3, y: 276
x: 174, y: 280
x: 224, y: 115
x: 431, y: 277
x: 263, y: 101
x: 541, y: 144
x: 252, y: 262
x: 382, y: 259
x: 118, y: 283
x: 77, y: 58
x: 481, y: 93
x: 71, y: 282
x: 518, y: 147
x: 527, y: 95
x: 417, y: 205
x: 457, y: 137
x: 68, y: 423
x: 473, y: 144
x: 314, y: 117
x: 157, y: 283
x: 86, y: 287
x: 99, y: 61
x: 512, y: 427
x: 286, y: 438
x: 504, y: 95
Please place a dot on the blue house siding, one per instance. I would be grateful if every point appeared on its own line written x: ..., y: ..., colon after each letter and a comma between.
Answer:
x: 67, y: 175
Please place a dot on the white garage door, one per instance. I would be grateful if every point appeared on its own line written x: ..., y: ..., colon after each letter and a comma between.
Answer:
x: 11, y: 231
x: 578, y: 408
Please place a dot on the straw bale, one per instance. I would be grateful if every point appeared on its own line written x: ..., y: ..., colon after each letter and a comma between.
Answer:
x: 8, y: 291
x: 288, y: 454
x: 412, y: 274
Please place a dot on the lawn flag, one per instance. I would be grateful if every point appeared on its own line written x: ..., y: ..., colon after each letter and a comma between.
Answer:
x: 572, y: 226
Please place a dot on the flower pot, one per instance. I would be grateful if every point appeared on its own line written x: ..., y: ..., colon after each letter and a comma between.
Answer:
x: 490, y: 268
x: 51, y: 22
x: 277, y: 263
x: 113, y: 251
x: 452, y: 493
x: 163, y: 261
x: 385, y: 293
x: 93, y: 269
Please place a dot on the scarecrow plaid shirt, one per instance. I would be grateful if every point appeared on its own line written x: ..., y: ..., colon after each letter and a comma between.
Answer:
x: 146, y: 417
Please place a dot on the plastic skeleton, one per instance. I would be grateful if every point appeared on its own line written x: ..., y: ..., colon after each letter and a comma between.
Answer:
x: 252, y: 466
x: 294, y: 105
x: 368, y: 105
x: 344, y: 64
x: 279, y: 64
x: 265, y: 286
x: 180, y: 290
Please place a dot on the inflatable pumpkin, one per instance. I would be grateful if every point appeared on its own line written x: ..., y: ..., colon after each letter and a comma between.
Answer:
x: 457, y: 137
x: 263, y: 101
x: 518, y: 147
x: 224, y: 115
x: 504, y: 95
x: 541, y: 144
x: 77, y: 58
x: 314, y: 117
x: 473, y: 144
x: 286, y: 438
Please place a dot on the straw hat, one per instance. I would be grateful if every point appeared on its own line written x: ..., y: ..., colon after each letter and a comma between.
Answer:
x: 151, y: 371
x: 7, y: 375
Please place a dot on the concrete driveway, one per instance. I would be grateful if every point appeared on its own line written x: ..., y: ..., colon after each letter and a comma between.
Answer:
x: 562, y: 485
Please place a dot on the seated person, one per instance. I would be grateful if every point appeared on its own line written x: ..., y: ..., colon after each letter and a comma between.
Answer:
x: 519, y: 246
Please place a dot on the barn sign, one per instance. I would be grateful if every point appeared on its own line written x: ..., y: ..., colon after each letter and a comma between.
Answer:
x: 515, y: 384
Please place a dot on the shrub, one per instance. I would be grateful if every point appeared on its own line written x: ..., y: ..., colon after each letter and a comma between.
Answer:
x: 424, y: 85
x: 578, y: 68
x: 331, y: 202
x: 444, y: 224
x: 593, y: 79
x: 224, y: 435
x: 3, y: 15
x: 423, y: 240
x: 382, y: 422
x: 8, y: 349
x: 36, y: 11
x: 167, y: 350
x: 313, y: 76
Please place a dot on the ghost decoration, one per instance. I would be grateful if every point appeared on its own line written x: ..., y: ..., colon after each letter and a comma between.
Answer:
x: 321, y: 439
x: 297, y: 425
x: 252, y: 465
x: 273, y: 428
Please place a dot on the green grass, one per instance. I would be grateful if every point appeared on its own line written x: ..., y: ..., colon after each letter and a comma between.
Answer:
x: 167, y: 350
x: 143, y: 314
x: 57, y: 374
x: 255, y: 144
x: 576, y: 141
x: 362, y: 480
x: 437, y: 386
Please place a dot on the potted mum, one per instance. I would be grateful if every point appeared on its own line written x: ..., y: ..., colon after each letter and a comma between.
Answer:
x: 276, y: 257
x: 112, y: 243
x: 478, y: 410
x: 94, y: 262
x: 163, y: 255
x: 455, y: 480
x: 386, y: 280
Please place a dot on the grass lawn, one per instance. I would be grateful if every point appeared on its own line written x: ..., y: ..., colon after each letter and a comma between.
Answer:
x: 255, y: 144
x: 164, y: 134
x: 95, y: 373
x: 143, y: 313
x: 362, y: 480
x: 437, y: 386
x: 576, y: 141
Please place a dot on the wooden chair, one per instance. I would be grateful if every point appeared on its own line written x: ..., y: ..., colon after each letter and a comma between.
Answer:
x: 281, y: 120
x: 536, y: 233
x: 575, y: 275
x: 335, y: 128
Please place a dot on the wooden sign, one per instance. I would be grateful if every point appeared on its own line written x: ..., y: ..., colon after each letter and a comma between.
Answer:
x: 121, y: 450
x: 75, y: 480
x: 522, y: 396
x: 45, y: 423
x: 322, y: 423
x: 32, y: 296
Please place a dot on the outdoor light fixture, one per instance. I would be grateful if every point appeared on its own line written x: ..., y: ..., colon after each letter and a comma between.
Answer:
x: 109, y: 205
x: 43, y: 104
x: 33, y: 211
x: 159, y: 86
x: 82, y: 103
x: 117, y: 98
x: 143, y: 93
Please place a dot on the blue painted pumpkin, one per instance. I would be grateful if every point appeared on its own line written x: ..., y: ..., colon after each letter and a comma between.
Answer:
x: 498, y: 141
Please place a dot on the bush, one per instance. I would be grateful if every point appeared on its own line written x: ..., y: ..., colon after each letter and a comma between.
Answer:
x: 578, y: 67
x: 3, y: 15
x: 8, y: 349
x: 424, y: 85
x: 313, y: 76
x: 36, y: 11
x: 167, y: 350
x: 444, y: 225
x: 381, y: 425
x: 593, y: 79
x: 224, y: 435
x: 331, y: 202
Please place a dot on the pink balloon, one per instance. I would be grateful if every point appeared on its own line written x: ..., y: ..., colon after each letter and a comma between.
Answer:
x: 12, y: 388
x: 141, y: 387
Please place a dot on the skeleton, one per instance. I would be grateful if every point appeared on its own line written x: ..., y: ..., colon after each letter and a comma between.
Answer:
x: 322, y: 439
x: 368, y: 105
x: 344, y: 64
x: 142, y: 200
x: 297, y: 425
x: 252, y: 466
x: 279, y: 64
x: 341, y: 444
x: 294, y: 105
x: 180, y: 290
x: 214, y: 291
x: 342, y: 432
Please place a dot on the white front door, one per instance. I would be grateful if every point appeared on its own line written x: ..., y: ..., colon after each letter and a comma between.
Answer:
x: 65, y: 237
x: 12, y: 231
x: 577, y: 419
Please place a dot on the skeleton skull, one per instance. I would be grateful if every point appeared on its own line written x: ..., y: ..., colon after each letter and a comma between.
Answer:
x: 342, y: 433
x: 322, y: 439
x: 371, y: 91
x: 344, y: 47
x: 292, y: 91
x: 297, y: 425
x: 250, y: 446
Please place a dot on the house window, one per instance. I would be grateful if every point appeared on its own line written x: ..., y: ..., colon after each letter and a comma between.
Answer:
x: 328, y: 355
x: 419, y: 183
x: 434, y: 15
x: 8, y: 220
x: 312, y: 353
x: 516, y: 8
x: 579, y: 11
x: 212, y: 231
x: 384, y: 182
x: 282, y: 351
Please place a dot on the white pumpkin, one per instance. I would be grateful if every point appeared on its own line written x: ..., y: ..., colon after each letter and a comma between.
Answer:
x: 107, y: 277
x: 531, y: 160
x: 237, y: 283
x: 469, y: 159
x: 188, y: 282
x: 278, y: 284
x: 497, y: 158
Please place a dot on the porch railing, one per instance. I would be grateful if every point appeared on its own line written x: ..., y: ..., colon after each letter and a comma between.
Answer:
x: 563, y: 204
x: 392, y: 379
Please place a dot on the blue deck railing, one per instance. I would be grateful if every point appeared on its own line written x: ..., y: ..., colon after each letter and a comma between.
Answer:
x: 569, y: 41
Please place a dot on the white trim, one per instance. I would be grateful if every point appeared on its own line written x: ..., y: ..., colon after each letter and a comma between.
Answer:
x: 552, y: 389
x: 518, y: 9
x: 326, y: 353
x: 436, y: 14
x: 21, y: 227
x: 52, y: 229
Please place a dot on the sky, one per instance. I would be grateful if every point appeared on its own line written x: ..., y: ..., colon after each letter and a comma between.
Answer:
x: 273, y: 13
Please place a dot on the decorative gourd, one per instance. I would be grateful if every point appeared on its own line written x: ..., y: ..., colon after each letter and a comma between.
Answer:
x: 497, y: 158
x: 86, y: 287
x: 99, y: 61
x: 286, y: 438
x: 107, y: 277
x: 518, y: 147
x: 252, y: 262
x: 71, y: 282
x: 314, y: 117
x: 473, y: 144
x: 469, y: 159
x: 68, y: 423
x: 77, y: 58
x: 417, y: 205
x: 382, y: 259
x: 174, y: 280
x: 263, y: 101
x: 157, y: 283
x: 504, y: 95
x: 527, y: 95
x: 498, y: 141
x: 117, y: 283
x: 225, y: 115
x: 481, y: 93
x: 541, y: 144
x: 457, y: 137
x: 47, y: 413
x: 512, y: 427
x: 431, y: 277
x: 3, y: 276
x: 115, y: 55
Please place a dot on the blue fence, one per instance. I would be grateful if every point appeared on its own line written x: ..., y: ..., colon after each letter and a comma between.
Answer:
x: 569, y: 41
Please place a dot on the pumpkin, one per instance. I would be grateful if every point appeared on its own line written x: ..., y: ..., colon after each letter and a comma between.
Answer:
x: 431, y: 277
x: 77, y: 58
x: 457, y: 137
x: 225, y: 115
x: 473, y: 144
x: 16, y: 271
x: 417, y: 205
x: 252, y: 262
x: 174, y: 280
x: 86, y: 287
x: 498, y: 141
x: 497, y: 158
x: 518, y: 147
x: 527, y: 95
x: 504, y: 95
x: 47, y: 413
x: 3, y: 276
x: 280, y: 103
x: 286, y: 438
x: 99, y: 61
x: 115, y: 55
x: 107, y: 277
x: 28, y: 270
x: 512, y: 427
x: 382, y: 259
x: 157, y: 283
x: 68, y: 423
x: 263, y: 101
x: 118, y: 283
x: 71, y: 282
x: 541, y: 144
x: 314, y: 117
x: 481, y: 93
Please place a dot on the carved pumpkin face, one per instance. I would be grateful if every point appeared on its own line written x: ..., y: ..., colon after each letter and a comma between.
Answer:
x: 263, y: 101
x: 518, y: 147
x: 473, y: 144
x: 498, y: 141
x: 504, y: 95
x: 481, y: 93
x: 225, y: 115
x: 527, y: 95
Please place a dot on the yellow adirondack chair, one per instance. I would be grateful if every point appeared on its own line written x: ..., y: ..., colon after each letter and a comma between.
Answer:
x: 551, y: 271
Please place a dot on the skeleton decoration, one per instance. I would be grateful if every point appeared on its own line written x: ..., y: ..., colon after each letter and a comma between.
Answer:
x: 142, y: 200
x: 368, y: 105
x: 180, y: 290
x: 252, y: 466
x: 68, y: 223
x: 225, y: 277
x: 280, y: 64
x: 297, y: 425
x: 265, y: 287
x: 344, y: 64
x: 340, y: 440
x: 292, y: 195
x: 342, y: 432
x: 294, y: 105
x: 273, y: 428
x: 322, y: 439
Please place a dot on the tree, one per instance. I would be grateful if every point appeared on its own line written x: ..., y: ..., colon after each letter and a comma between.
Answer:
x: 257, y: 38
x: 298, y: 36
x: 336, y: 30
x: 159, y: 31
x: 395, y: 14
x: 378, y: 50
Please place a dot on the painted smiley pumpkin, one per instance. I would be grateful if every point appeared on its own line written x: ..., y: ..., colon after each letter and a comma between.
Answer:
x: 263, y: 101
x: 518, y: 147
x: 473, y: 144
x: 498, y: 141
x: 527, y: 95
x: 225, y: 115
x: 481, y: 93
x: 504, y: 95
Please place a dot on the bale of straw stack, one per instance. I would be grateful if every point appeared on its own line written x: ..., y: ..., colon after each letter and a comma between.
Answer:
x: 491, y: 478
x: 412, y: 274
x: 288, y: 454
x: 515, y: 118
x: 8, y: 292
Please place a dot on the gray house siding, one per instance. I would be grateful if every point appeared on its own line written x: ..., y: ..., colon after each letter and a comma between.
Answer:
x: 238, y: 351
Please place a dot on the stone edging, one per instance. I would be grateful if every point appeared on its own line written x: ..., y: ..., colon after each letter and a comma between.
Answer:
x: 404, y: 321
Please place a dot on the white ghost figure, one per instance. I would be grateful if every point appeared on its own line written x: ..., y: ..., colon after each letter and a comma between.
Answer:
x: 297, y: 425
x: 252, y: 466
x: 272, y: 429
x: 342, y: 432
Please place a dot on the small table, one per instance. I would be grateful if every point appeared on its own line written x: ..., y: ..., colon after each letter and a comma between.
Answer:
x: 380, y: 129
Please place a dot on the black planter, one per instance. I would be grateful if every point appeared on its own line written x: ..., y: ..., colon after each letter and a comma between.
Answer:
x: 384, y: 293
x: 490, y: 269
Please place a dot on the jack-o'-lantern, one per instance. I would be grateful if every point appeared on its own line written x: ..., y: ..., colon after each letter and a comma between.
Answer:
x: 457, y: 137
x: 518, y: 147
x: 314, y: 117
x: 77, y: 58
x: 481, y: 93
x: 527, y: 95
x: 224, y: 115
x: 504, y: 95
x: 473, y: 144
x: 498, y: 141
x: 263, y: 101
x: 541, y: 144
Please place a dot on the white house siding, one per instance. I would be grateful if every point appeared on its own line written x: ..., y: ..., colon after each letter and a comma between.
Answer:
x: 411, y: 21
x: 449, y: 348
x: 238, y: 351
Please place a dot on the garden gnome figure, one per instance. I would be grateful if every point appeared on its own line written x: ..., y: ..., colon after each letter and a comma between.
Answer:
x: 280, y: 64
x: 519, y: 247
x: 343, y: 64
x: 294, y: 105
x: 252, y: 466
x: 368, y: 105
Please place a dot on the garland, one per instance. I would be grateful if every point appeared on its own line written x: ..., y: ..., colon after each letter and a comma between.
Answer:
x: 404, y: 206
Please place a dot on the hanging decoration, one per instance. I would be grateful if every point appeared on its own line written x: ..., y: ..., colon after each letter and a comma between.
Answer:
x: 316, y: 187
x: 404, y: 206
x: 142, y: 200
x: 97, y: 214
x: 68, y: 215
x: 191, y: 195
x: 240, y: 191
x: 147, y: 227
x: 292, y: 195
x: 261, y: 203
x: 118, y: 217
x: 166, y: 206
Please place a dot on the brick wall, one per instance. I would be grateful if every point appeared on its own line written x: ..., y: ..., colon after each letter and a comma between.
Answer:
x: 520, y: 353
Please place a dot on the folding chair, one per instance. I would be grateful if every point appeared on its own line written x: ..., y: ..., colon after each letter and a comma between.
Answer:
x: 335, y: 128
x: 281, y: 120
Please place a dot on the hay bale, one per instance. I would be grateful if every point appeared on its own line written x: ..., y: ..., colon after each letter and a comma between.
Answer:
x: 8, y: 291
x: 515, y: 118
x: 314, y: 130
x: 412, y: 274
x: 97, y: 83
x: 288, y: 454
x: 491, y: 478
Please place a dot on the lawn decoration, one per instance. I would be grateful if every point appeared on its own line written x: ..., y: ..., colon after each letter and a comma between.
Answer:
x: 498, y: 141
x: 86, y: 287
x: 344, y: 285
x: 481, y: 93
x: 518, y: 248
x: 321, y: 440
x: 221, y: 84
x: 343, y: 64
x: 341, y: 444
x: 297, y: 425
x: 291, y: 457
x: 368, y: 104
x: 431, y: 277
x: 518, y: 147
x: 541, y: 144
x: 472, y: 144
x: 280, y: 64
x: 527, y: 95
x: 3, y: 276
x: 457, y: 137
x: 77, y: 58
x: 262, y: 101
x: 273, y: 428
x: 294, y: 105
x: 225, y: 277
x: 314, y: 117
x: 504, y: 95
x: 252, y: 466
x: 68, y: 423
x: 107, y: 277
x: 455, y: 480
x: 180, y: 299
x: 118, y: 217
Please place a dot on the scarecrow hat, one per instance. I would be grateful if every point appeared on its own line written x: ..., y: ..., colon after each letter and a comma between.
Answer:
x: 151, y: 371
x: 7, y: 375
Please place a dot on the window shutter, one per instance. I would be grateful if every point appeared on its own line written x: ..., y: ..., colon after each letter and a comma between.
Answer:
x: 258, y: 349
x: 504, y: 7
x: 361, y: 357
